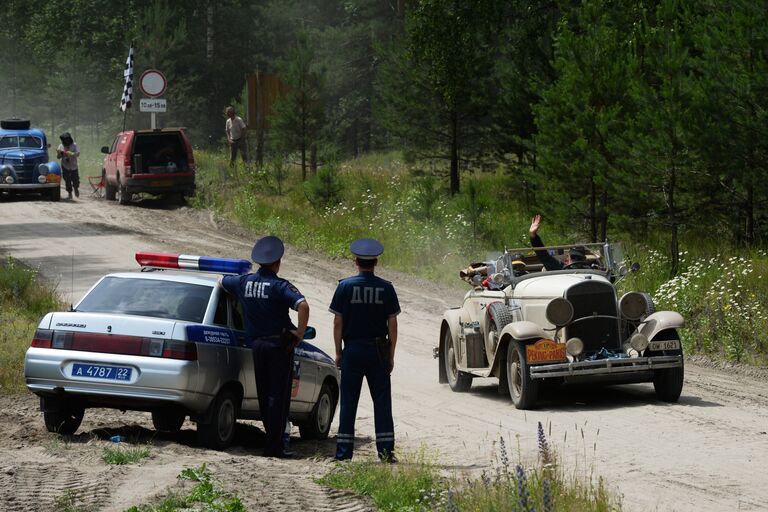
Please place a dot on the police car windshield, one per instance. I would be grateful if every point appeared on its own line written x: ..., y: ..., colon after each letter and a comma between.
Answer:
x: 21, y: 141
x: 148, y: 297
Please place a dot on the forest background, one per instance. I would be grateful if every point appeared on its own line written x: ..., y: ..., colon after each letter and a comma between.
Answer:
x: 440, y: 126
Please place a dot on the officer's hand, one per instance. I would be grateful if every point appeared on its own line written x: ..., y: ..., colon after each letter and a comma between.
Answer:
x: 296, y: 338
x: 391, y: 365
x: 338, y: 360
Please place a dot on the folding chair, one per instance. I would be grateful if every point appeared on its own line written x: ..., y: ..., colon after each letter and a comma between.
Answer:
x: 97, y: 186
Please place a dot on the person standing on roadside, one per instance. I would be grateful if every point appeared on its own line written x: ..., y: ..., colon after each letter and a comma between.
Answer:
x: 68, y: 153
x: 266, y: 299
x: 235, y: 128
x: 365, y: 308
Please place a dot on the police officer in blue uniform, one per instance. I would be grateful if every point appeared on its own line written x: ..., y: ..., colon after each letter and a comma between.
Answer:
x: 366, y: 309
x: 266, y: 300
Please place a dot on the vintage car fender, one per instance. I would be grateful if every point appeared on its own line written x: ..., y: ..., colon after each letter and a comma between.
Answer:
x: 523, y: 330
x: 451, y: 321
x: 661, y: 321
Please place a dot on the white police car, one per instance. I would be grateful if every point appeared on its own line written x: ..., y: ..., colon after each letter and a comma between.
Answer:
x: 171, y: 343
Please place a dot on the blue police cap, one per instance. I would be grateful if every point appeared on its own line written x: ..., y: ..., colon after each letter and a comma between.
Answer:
x: 267, y: 250
x: 366, y: 248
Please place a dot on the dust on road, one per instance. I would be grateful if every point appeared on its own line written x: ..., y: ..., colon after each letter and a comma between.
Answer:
x: 706, y: 453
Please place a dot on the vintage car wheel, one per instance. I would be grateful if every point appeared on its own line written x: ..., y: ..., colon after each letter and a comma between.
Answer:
x: 522, y: 388
x: 458, y: 380
x: 668, y: 382
x: 168, y: 420
x: 220, y: 431
x: 319, y: 424
x: 62, y: 418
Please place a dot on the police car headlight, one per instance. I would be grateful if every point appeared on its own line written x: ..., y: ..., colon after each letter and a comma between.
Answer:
x: 42, y: 170
x: 9, y: 179
x: 638, y: 342
x: 574, y: 346
x: 633, y: 305
x: 559, y: 311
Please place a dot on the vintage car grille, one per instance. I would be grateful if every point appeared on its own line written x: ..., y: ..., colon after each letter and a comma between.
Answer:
x: 25, y: 170
x: 592, y: 298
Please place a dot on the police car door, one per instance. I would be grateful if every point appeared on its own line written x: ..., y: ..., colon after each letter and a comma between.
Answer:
x: 247, y: 379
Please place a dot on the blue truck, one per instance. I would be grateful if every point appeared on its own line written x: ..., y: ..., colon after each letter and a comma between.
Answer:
x: 24, y: 165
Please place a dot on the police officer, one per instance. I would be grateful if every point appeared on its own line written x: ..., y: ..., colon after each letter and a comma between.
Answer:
x: 366, y: 309
x: 266, y: 299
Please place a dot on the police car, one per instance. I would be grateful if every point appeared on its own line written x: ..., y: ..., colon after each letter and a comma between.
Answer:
x: 171, y: 343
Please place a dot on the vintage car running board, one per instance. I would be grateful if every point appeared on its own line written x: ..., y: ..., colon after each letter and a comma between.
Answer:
x: 606, y: 366
x: 478, y: 372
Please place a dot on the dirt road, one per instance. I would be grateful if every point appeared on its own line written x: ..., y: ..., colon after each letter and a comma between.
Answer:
x: 706, y: 453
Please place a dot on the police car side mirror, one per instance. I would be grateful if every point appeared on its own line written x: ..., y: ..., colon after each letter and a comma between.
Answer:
x: 310, y: 333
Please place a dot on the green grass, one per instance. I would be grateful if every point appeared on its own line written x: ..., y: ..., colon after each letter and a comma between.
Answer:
x: 24, y: 299
x: 120, y: 456
x: 421, y: 485
x: 71, y: 501
x: 430, y: 234
x: 206, y: 494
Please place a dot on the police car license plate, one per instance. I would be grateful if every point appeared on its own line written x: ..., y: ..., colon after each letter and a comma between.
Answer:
x: 99, y: 371
x: 656, y: 346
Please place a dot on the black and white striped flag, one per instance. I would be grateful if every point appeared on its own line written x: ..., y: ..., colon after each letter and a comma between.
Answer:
x: 125, y: 102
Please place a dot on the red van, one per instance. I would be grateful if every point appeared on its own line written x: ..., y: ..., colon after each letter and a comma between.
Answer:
x: 156, y: 162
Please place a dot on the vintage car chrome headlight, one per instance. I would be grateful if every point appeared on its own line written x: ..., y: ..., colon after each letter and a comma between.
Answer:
x: 638, y: 342
x: 559, y: 311
x: 574, y: 346
x: 9, y: 179
x: 6, y: 170
x: 41, y: 179
x: 633, y: 305
x: 43, y: 170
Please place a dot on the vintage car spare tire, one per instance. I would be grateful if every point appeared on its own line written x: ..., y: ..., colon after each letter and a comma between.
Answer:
x: 15, y: 124
x: 458, y: 380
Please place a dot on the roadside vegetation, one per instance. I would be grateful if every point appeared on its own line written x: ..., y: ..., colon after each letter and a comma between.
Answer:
x: 120, y: 455
x: 719, y: 288
x: 23, y: 300
x: 421, y: 485
x: 206, y: 494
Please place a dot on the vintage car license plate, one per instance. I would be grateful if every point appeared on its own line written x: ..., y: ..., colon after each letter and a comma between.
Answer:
x: 99, y: 371
x: 545, y: 351
x: 656, y: 346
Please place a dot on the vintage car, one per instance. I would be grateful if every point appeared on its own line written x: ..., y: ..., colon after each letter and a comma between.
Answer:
x: 171, y: 343
x: 24, y: 165
x: 529, y: 327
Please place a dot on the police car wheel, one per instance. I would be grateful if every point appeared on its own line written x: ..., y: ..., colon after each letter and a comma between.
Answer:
x: 458, y: 380
x: 168, y: 421
x: 64, y: 421
x: 219, y: 431
x: 522, y: 388
x: 319, y: 424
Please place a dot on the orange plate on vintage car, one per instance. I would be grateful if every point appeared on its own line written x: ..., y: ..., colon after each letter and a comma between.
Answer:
x: 545, y: 351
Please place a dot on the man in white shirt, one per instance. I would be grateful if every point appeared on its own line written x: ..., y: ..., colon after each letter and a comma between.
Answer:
x: 68, y: 152
x: 235, y: 129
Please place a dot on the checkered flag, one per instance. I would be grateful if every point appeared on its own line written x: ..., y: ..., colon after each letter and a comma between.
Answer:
x: 125, y: 102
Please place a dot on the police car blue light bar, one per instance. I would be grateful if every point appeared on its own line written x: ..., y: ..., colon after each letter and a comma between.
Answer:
x: 189, y: 262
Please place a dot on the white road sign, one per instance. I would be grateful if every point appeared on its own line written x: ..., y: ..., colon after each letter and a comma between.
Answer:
x: 153, y: 83
x: 152, y: 105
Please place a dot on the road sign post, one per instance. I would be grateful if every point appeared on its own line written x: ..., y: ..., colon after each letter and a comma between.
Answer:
x: 153, y: 84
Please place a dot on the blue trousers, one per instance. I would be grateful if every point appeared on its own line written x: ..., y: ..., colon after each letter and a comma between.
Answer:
x: 273, y: 364
x: 360, y: 360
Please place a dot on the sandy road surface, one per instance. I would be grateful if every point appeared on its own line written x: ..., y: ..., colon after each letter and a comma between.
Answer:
x: 708, y: 452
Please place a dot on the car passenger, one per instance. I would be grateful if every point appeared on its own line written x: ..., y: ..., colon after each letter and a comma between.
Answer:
x: 266, y: 299
x: 575, y: 255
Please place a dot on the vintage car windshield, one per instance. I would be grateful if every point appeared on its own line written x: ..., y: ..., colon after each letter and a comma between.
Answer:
x: 20, y: 141
x: 148, y: 297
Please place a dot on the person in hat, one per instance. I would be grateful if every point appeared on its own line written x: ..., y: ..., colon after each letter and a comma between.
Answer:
x: 576, y: 255
x: 68, y: 153
x: 365, y: 323
x: 266, y: 299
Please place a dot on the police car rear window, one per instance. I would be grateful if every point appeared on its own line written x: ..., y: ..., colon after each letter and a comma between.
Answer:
x: 148, y: 297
